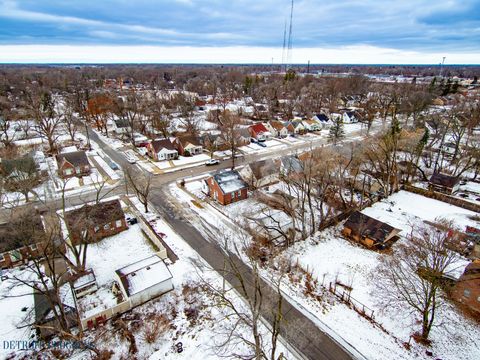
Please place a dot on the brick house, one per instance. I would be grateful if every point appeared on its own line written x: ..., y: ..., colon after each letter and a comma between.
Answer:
x: 163, y: 149
x: 95, y: 222
x: 467, y: 288
x: 369, y: 231
x: 18, y: 242
x: 73, y: 164
x: 443, y: 183
x: 226, y: 187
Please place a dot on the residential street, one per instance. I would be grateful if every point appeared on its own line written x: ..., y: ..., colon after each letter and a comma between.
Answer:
x: 299, y: 331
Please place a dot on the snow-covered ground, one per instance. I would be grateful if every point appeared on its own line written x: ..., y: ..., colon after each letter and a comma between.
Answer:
x: 16, y: 307
x: 328, y: 257
x: 403, y: 209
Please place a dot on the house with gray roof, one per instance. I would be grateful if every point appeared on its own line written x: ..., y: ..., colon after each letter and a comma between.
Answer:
x: 226, y: 187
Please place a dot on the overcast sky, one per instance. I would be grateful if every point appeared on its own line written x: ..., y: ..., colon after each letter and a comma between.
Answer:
x: 324, y: 31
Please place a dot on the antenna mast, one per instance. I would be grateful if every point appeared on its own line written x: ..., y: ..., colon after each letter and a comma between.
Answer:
x: 441, y: 66
x: 289, y: 50
x: 284, y: 44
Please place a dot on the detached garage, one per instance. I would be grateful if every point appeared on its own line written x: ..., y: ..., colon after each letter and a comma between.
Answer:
x: 145, y: 280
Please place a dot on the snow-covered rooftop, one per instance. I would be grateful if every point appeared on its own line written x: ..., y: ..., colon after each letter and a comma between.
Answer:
x: 229, y: 181
x: 143, y: 274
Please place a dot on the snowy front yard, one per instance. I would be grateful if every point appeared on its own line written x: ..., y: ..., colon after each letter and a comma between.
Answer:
x: 329, y: 257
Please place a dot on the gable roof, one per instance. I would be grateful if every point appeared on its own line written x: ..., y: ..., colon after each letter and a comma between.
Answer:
x: 444, y: 180
x: 122, y: 123
x: 160, y: 144
x: 186, y: 139
x: 291, y: 164
x: 263, y: 168
x: 242, y: 132
x: 472, y: 272
x: 76, y: 158
x: 259, y: 128
x: 366, y: 226
x: 143, y: 274
x: 24, y: 228
x: 322, y: 117
x: 94, y: 215
x: 277, y: 125
x: 229, y: 181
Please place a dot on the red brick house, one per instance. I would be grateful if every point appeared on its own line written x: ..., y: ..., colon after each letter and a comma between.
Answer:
x: 92, y: 223
x: 467, y: 289
x: 226, y: 187
x: 21, y: 239
x: 73, y: 164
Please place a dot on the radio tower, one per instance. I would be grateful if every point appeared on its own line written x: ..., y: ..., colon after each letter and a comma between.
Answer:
x: 284, y: 44
x: 287, y: 45
x: 289, y: 50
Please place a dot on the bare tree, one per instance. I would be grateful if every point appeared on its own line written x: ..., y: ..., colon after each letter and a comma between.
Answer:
x: 41, y: 105
x: 140, y: 183
x: 21, y: 175
x: 412, y: 276
x: 242, y: 325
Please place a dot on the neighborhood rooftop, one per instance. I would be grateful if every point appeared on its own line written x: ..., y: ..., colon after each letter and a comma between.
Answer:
x: 229, y: 181
x: 369, y: 227
x: 143, y: 274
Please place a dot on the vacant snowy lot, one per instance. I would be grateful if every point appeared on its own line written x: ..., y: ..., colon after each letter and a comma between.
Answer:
x: 329, y: 257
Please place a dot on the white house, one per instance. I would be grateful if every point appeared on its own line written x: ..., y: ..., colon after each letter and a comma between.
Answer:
x: 322, y: 119
x: 121, y: 126
x: 144, y: 280
x: 311, y: 125
x: 349, y: 117
x: 261, y: 173
x: 277, y: 128
x: 162, y: 149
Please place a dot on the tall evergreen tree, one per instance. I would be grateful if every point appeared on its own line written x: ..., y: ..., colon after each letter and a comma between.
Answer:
x: 336, y: 131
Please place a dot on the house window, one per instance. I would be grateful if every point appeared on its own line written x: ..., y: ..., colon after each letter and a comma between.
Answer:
x: 118, y: 223
x: 106, y: 226
x: 15, y: 255
x: 239, y: 193
x: 96, y: 228
x: 77, y: 169
x: 33, y: 247
x: 466, y: 293
x: 68, y: 172
x: 478, y: 299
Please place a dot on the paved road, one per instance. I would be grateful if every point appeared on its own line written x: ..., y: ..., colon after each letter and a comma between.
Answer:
x: 297, y: 329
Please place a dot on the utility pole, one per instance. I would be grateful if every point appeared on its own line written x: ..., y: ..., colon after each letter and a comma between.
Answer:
x: 441, y: 66
x: 308, y: 67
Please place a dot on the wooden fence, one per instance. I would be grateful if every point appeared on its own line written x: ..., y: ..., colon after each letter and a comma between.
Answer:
x: 443, y: 197
x: 345, y: 296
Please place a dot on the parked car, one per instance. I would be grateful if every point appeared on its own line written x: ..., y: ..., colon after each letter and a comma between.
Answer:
x: 261, y: 144
x: 112, y: 164
x: 212, y: 162
x: 130, y: 156
x: 132, y: 220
